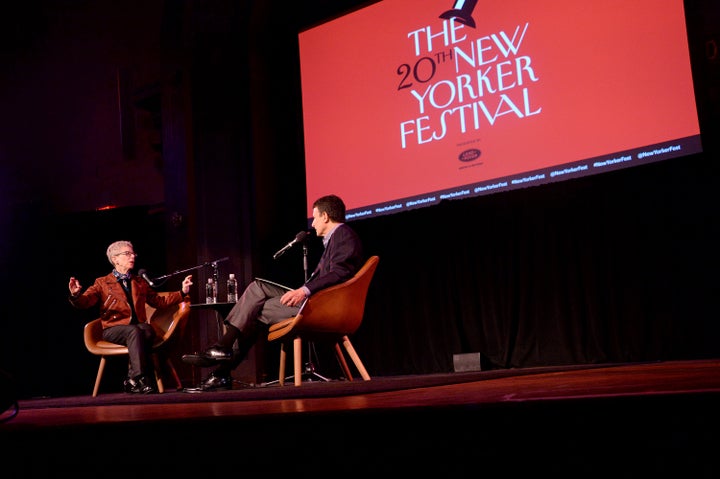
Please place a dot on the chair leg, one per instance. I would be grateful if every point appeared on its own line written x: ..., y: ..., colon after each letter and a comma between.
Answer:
x: 178, y: 383
x: 356, y: 359
x: 158, y: 373
x: 159, y: 381
x: 297, y: 360
x: 343, y: 363
x: 101, y: 368
x: 281, y: 374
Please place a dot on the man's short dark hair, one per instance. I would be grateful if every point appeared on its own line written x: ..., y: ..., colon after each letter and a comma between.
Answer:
x: 333, y: 206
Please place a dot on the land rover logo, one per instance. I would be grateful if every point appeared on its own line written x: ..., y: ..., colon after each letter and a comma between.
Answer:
x: 469, y: 155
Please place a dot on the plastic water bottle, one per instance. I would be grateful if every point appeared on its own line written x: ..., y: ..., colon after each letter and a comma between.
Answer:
x: 211, y: 291
x: 232, y: 288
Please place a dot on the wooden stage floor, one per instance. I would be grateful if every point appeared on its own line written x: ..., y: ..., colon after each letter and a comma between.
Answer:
x: 617, y: 420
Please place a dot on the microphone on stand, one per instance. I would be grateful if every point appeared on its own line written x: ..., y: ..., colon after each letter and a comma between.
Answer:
x: 143, y: 275
x: 299, y: 238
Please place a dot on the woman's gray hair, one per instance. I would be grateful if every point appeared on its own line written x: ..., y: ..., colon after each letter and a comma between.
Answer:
x: 115, y: 248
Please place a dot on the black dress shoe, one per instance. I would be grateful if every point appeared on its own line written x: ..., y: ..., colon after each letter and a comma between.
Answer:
x: 131, y: 386
x: 212, y: 383
x: 139, y: 385
x: 147, y: 386
x: 209, y: 357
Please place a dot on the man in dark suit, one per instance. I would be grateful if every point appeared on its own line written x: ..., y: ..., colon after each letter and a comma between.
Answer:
x: 264, y: 303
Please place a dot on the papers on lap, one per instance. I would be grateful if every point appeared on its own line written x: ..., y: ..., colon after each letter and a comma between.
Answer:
x: 286, y: 288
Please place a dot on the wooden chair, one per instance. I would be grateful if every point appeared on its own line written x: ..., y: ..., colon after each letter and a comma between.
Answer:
x: 169, y: 321
x: 328, y: 315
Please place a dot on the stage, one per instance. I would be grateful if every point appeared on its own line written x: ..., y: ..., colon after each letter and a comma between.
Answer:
x: 619, y: 420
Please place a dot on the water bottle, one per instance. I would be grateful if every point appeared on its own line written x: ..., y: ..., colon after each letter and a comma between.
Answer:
x: 232, y: 288
x: 211, y: 291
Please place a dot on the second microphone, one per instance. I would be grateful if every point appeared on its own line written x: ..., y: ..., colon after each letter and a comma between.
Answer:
x: 299, y: 238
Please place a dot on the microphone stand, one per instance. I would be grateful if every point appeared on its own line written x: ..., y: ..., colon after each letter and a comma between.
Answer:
x: 215, y: 275
x: 213, y: 264
x: 309, y: 370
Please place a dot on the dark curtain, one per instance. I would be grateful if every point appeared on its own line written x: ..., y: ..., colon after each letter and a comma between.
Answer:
x: 613, y: 268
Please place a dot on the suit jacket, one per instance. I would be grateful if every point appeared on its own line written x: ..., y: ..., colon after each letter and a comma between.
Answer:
x: 342, y: 258
x: 114, y: 306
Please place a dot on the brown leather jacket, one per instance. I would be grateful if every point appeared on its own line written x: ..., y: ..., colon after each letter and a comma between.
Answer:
x: 114, y: 306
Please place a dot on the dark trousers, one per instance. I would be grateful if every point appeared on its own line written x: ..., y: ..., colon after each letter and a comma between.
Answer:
x: 139, y: 339
x: 258, y: 307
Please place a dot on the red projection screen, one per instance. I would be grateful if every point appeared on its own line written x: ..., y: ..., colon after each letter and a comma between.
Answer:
x: 410, y: 102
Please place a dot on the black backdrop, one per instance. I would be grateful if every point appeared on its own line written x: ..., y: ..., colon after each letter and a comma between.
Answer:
x: 613, y: 268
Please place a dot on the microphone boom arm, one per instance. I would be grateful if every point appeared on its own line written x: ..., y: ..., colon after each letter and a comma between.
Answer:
x: 180, y: 271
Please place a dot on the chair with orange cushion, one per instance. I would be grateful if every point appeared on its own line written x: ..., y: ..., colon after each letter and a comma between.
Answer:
x: 168, y: 323
x: 329, y: 315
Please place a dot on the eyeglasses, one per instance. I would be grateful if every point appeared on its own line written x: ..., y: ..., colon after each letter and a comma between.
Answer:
x: 127, y: 254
